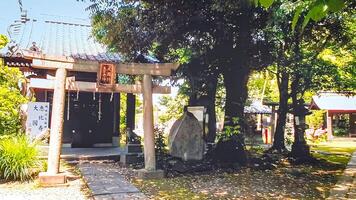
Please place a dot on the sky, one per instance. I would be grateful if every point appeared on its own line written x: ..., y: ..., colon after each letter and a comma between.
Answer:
x: 43, y: 9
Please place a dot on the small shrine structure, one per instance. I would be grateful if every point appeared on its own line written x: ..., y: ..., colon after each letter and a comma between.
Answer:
x: 336, y: 104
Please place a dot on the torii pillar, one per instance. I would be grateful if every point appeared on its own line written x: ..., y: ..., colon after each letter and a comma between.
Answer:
x: 52, y: 176
x: 149, y: 139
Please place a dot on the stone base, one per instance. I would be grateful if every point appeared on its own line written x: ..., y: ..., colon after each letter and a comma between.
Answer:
x: 131, y: 158
x: 134, y: 148
x: 300, y: 150
x: 115, y: 141
x: 145, y: 174
x: 46, y: 179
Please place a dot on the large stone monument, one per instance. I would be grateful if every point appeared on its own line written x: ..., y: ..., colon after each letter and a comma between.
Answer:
x: 186, y: 138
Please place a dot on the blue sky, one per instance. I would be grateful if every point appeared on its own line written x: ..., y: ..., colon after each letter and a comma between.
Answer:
x: 40, y: 9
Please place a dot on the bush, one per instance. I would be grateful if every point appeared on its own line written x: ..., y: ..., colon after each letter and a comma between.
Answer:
x: 18, y: 158
x: 340, y: 131
x: 316, y: 119
x: 10, y: 100
x: 160, y: 141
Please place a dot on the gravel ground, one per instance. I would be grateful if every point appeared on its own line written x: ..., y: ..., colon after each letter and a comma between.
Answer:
x: 74, y: 190
x: 30, y: 191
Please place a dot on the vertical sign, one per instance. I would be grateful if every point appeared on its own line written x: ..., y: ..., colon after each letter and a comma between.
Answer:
x: 37, y: 117
x: 107, y: 74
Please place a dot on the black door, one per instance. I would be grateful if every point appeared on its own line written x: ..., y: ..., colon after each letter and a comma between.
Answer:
x: 84, y: 120
x: 89, y: 120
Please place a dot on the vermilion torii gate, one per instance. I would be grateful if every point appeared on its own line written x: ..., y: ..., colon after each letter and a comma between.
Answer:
x: 61, y: 83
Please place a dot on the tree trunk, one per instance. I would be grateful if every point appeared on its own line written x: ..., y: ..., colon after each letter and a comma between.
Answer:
x: 278, y: 142
x: 211, y: 93
x: 236, y: 95
x: 236, y: 76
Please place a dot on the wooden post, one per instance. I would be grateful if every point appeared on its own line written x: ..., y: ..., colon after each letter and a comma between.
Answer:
x: 56, y: 132
x: 329, y: 125
x: 149, y: 145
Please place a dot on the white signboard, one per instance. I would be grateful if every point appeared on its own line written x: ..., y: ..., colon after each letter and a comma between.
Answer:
x: 37, y: 117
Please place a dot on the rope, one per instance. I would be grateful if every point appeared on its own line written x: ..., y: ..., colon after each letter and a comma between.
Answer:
x: 112, y: 94
x: 68, y: 103
x: 77, y: 94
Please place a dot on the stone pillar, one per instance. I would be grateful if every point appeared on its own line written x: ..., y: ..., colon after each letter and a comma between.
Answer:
x: 149, y: 145
x: 56, y: 132
x: 329, y: 125
x: 52, y: 175
x: 116, y: 120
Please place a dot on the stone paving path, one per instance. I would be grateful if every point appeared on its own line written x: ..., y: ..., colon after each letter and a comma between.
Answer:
x: 345, y: 188
x: 105, y: 182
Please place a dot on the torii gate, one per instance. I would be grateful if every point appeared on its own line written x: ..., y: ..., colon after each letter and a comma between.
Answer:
x: 61, y: 83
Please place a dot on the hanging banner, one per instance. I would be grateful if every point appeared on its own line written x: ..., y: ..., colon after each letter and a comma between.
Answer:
x: 37, y: 118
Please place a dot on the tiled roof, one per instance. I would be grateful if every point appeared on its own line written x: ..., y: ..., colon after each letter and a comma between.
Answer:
x: 57, y: 38
x: 334, y: 101
x: 256, y: 107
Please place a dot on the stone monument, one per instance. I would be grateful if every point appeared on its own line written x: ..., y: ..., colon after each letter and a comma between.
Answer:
x: 185, y: 139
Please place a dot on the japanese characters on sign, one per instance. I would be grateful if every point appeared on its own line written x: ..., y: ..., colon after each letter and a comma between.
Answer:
x: 107, y: 74
x: 37, y: 118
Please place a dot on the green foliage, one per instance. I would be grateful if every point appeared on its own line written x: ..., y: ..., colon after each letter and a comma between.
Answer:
x: 3, y: 41
x: 316, y: 119
x: 266, y: 3
x: 316, y: 10
x: 10, y: 100
x: 230, y: 131
x: 173, y: 107
x: 335, y: 5
x: 160, y: 141
x: 18, y: 158
x: 340, y: 131
x: 263, y: 84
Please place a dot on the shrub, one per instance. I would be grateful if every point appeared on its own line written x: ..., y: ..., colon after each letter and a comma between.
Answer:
x: 10, y: 100
x: 316, y: 119
x: 160, y: 141
x: 18, y: 158
x: 230, y: 131
x: 341, y: 131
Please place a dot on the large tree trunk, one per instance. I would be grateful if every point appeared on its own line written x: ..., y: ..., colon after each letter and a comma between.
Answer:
x: 211, y: 93
x: 236, y: 94
x: 278, y: 142
x: 236, y: 76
